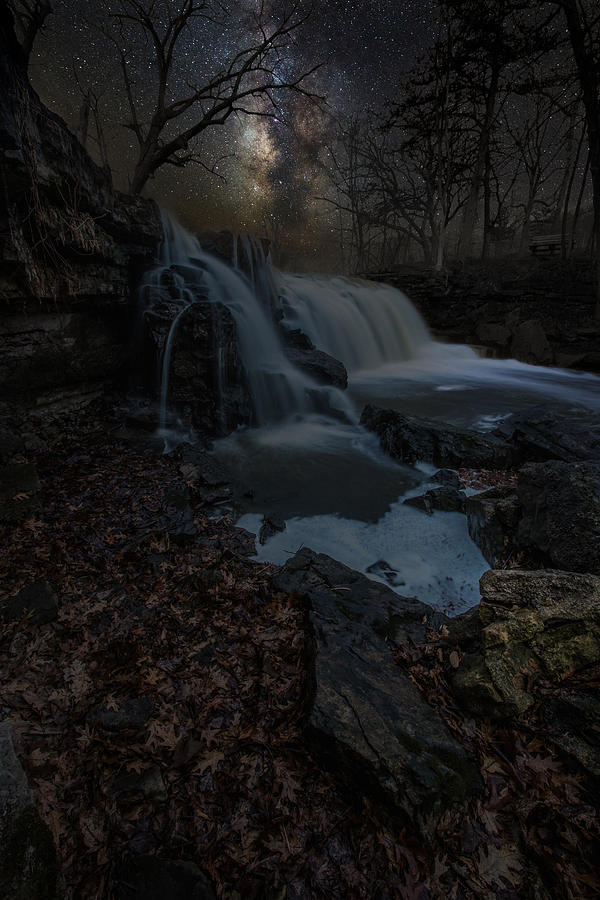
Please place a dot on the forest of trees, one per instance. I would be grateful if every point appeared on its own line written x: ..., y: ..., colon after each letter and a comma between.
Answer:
x: 493, y: 137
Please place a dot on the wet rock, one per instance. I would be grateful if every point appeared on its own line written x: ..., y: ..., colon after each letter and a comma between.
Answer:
x: 384, y: 570
x: 560, y: 517
x: 492, y: 520
x: 142, y: 877
x: 365, y: 717
x: 540, y: 434
x: 28, y: 864
x: 130, y: 715
x: 19, y: 488
x: 177, y: 519
x: 410, y: 440
x: 445, y: 499
x: 37, y: 600
x: 325, y: 369
x: 490, y: 333
x: 529, y: 343
x: 532, y: 626
x: 447, y: 477
x: 270, y: 525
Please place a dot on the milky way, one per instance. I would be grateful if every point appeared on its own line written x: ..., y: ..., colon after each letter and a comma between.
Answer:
x: 267, y: 172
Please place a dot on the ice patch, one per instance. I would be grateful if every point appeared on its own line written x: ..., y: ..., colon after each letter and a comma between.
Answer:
x: 433, y: 556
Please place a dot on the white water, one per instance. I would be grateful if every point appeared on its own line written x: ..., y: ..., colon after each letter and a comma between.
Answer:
x: 363, y: 323
x: 326, y: 477
x: 278, y: 389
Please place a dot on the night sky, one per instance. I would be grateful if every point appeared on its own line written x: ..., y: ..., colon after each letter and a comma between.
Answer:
x: 271, y: 170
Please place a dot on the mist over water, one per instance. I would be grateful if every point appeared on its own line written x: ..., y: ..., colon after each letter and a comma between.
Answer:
x: 307, y: 461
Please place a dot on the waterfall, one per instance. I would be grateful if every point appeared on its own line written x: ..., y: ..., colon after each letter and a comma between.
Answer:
x: 187, y: 273
x: 362, y: 323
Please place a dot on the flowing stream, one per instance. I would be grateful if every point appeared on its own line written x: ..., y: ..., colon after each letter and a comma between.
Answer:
x: 307, y: 461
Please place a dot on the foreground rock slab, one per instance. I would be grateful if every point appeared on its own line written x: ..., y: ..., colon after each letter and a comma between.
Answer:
x: 365, y: 715
x: 529, y: 626
x: 409, y: 440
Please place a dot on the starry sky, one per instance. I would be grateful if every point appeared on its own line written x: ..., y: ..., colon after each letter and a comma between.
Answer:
x: 269, y: 172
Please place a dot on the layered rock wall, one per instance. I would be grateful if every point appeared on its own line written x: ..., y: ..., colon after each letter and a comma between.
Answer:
x: 71, y: 250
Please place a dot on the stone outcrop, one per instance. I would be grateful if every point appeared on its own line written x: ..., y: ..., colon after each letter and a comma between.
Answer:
x: 445, y: 499
x: 540, y: 434
x: 410, y: 440
x: 492, y: 519
x: 528, y: 627
x: 321, y: 366
x: 560, y: 513
x: 71, y: 250
x: 540, y: 311
x: 365, y: 717
x: 207, y: 383
x: 551, y: 519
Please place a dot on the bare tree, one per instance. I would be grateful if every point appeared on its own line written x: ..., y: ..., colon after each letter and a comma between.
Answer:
x: 30, y: 18
x: 583, y: 24
x: 170, y: 110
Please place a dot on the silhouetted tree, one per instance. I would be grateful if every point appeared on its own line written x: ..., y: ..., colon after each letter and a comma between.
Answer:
x: 583, y: 24
x: 30, y: 18
x: 169, y: 109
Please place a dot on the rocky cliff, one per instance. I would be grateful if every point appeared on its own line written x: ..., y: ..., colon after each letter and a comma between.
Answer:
x: 71, y: 250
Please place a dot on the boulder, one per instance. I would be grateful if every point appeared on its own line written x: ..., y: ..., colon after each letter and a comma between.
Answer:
x: 28, y: 865
x: 492, y: 520
x: 445, y: 499
x: 365, y: 718
x: 447, y: 477
x: 410, y: 440
x: 560, y: 516
x: 270, y: 525
x: 530, y: 344
x: 325, y: 369
x: 531, y: 626
x: 540, y: 434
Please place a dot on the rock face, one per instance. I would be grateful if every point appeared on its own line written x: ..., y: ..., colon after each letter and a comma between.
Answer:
x: 28, y: 865
x: 540, y: 434
x: 207, y: 384
x: 492, y: 519
x: 560, y: 516
x: 365, y: 716
x: 445, y: 499
x: 325, y: 369
x: 409, y: 440
x: 537, y: 310
x: 68, y: 258
x: 528, y: 626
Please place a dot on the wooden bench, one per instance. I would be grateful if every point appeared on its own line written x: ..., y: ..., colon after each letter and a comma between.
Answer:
x: 545, y: 243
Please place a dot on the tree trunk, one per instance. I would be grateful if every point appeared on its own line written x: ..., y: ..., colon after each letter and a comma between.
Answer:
x: 589, y: 77
x: 470, y: 214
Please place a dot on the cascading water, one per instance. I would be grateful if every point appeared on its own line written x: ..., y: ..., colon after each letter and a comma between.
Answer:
x: 187, y: 272
x: 363, y: 324
x: 327, y: 477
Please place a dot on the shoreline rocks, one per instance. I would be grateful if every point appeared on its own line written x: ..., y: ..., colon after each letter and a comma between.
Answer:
x: 365, y: 717
x: 409, y: 439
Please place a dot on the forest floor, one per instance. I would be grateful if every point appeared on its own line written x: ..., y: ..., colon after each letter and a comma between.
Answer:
x: 160, y: 713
